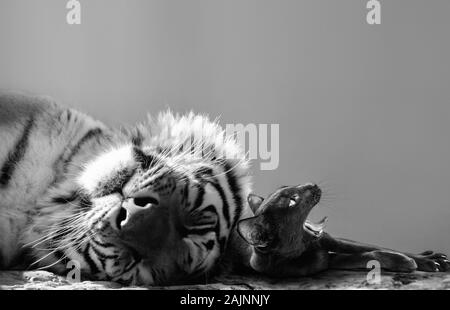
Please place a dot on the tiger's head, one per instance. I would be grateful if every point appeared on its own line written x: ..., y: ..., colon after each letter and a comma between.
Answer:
x: 158, y: 207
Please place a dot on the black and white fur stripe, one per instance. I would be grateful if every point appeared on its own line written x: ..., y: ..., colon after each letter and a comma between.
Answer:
x: 16, y: 154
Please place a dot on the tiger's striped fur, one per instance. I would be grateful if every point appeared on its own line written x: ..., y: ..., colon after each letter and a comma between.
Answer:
x: 66, y: 180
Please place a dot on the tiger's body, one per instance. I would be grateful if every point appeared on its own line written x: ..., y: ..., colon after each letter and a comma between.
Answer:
x: 154, y: 204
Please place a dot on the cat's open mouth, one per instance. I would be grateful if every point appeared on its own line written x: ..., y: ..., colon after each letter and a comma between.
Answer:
x: 315, y: 229
x: 307, y: 199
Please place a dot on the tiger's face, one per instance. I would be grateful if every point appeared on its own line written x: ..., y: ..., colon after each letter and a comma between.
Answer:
x: 154, y: 215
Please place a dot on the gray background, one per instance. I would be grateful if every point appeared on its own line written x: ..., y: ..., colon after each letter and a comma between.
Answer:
x: 364, y: 109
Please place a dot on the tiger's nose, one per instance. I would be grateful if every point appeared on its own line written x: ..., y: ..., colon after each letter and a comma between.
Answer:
x: 143, y: 224
x: 134, y: 211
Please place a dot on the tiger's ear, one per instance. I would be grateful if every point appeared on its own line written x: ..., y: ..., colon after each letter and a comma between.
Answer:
x: 251, y: 233
x: 254, y: 201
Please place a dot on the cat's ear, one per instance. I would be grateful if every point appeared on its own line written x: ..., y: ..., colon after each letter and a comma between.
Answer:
x: 254, y: 201
x: 252, y: 234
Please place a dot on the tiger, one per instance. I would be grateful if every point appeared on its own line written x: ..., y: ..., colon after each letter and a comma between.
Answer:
x: 148, y: 204
x: 155, y: 203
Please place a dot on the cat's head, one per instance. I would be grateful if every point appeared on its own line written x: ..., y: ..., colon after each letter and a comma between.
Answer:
x: 280, y: 225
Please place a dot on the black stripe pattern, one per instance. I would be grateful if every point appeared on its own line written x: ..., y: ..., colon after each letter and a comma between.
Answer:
x: 92, y: 265
x: 15, y: 155
x: 145, y: 160
x: 89, y: 135
x: 206, y: 175
x: 61, y: 165
x: 235, y: 190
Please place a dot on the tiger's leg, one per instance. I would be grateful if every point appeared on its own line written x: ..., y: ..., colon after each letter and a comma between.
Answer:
x: 388, y: 260
x: 427, y: 261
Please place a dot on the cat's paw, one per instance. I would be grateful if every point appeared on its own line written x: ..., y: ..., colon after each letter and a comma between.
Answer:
x: 394, y: 261
x: 432, y: 262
